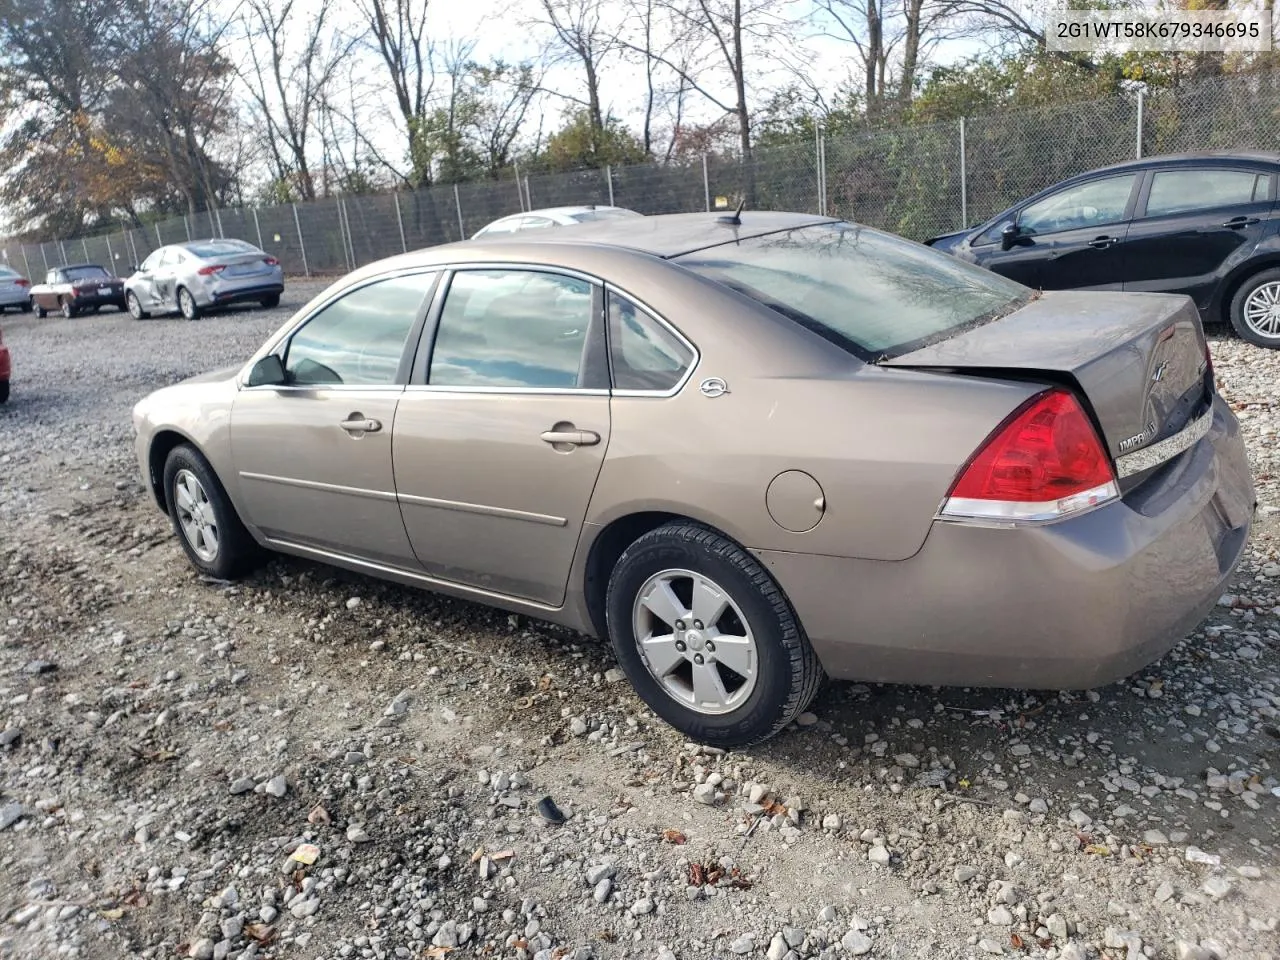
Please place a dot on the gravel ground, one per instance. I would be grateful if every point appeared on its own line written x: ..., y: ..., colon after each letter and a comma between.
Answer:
x: 313, y: 764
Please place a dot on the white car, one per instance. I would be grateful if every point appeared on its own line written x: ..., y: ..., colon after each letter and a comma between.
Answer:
x: 203, y: 275
x: 552, y: 217
x: 15, y: 290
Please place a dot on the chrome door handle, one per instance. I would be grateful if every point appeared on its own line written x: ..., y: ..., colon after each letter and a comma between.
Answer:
x: 1235, y: 223
x: 359, y: 425
x: 1101, y: 243
x: 578, y: 438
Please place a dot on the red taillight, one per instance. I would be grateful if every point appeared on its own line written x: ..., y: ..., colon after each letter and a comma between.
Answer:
x: 271, y: 262
x: 23, y: 282
x: 1044, y: 462
x: 210, y: 271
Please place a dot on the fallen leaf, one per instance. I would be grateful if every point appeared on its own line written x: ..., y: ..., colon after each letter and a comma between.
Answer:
x: 1015, y: 941
x: 674, y: 836
x: 433, y: 953
x: 475, y: 857
x: 1098, y: 849
x: 115, y: 913
x: 259, y: 932
x: 319, y: 815
x: 697, y: 876
x: 306, y: 853
x: 502, y: 855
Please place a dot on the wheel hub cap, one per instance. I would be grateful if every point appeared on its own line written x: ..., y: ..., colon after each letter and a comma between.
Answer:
x: 695, y: 641
x: 195, y: 515
x: 1262, y: 311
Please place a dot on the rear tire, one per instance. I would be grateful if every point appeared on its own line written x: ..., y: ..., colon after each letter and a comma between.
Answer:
x: 767, y: 671
x: 4, y: 391
x: 26, y: 307
x: 1255, y: 309
x: 210, y: 531
x: 134, y: 307
x: 271, y: 302
x: 187, y: 305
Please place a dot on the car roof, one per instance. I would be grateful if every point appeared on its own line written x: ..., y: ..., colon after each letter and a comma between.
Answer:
x: 1185, y: 159
x: 77, y: 266
x: 665, y: 235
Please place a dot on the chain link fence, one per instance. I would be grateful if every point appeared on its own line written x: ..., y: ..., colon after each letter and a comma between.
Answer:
x: 917, y: 180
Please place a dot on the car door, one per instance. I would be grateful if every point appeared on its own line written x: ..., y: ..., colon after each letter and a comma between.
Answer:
x: 501, y: 435
x: 164, y: 278
x: 141, y: 283
x: 313, y: 456
x: 1071, y: 239
x: 1194, y: 225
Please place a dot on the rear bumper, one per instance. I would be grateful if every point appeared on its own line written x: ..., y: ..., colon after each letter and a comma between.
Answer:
x: 222, y: 297
x: 1071, y: 605
x: 14, y: 298
x: 82, y: 300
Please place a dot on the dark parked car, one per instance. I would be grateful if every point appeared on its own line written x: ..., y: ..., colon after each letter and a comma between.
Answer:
x: 77, y: 288
x: 1200, y: 224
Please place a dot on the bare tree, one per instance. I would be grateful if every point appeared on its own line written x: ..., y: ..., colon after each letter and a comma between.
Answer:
x: 288, y: 81
x: 397, y: 32
x: 585, y: 35
x: 893, y: 40
x: 728, y: 40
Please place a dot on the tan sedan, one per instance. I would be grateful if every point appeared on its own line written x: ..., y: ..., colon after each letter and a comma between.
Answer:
x: 746, y: 450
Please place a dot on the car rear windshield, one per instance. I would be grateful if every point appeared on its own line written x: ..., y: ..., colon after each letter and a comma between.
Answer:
x: 587, y: 215
x: 85, y: 273
x: 220, y: 248
x: 870, y: 292
x: 6, y: 272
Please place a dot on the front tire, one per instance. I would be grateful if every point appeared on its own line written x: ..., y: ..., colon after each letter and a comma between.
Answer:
x: 210, y: 531
x: 26, y: 307
x: 68, y: 309
x: 134, y: 307
x: 1255, y: 309
x: 725, y: 660
x: 41, y: 312
x: 4, y: 391
x: 187, y: 304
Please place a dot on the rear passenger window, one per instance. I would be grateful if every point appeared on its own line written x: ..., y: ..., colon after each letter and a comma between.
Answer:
x: 644, y: 354
x: 1184, y: 191
x: 512, y: 328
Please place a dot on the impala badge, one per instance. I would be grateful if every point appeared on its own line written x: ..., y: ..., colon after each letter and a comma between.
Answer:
x: 713, y: 387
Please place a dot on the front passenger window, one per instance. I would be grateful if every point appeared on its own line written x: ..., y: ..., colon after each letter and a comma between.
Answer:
x: 1092, y: 204
x: 358, y: 339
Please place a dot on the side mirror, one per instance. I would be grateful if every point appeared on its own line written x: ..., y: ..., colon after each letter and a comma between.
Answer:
x: 132, y: 268
x: 267, y: 372
x: 1010, y: 236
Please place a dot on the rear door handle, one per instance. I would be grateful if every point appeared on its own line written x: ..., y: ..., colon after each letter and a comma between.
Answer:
x: 359, y: 425
x: 1101, y: 243
x: 579, y: 438
x: 1235, y: 223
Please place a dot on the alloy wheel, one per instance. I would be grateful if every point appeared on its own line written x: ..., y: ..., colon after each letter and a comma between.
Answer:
x: 196, y: 516
x: 1262, y: 310
x: 695, y: 641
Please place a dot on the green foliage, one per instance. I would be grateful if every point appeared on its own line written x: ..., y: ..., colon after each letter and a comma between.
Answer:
x: 579, y: 146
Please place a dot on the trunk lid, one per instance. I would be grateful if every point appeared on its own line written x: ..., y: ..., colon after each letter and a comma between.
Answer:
x: 1138, y: 359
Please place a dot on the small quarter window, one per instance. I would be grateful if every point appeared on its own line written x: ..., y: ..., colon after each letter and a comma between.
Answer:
x: 643, y: 354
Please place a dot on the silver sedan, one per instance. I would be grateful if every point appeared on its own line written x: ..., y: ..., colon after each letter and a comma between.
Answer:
x: 201, y: 275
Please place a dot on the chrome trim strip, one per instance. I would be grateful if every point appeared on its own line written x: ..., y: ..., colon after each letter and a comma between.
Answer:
x: 1168, y: 448
x: 485, y: 510
x: 317, y: 485
x: 551, y: 391
x: 342, y: 558
x: 377, y: 388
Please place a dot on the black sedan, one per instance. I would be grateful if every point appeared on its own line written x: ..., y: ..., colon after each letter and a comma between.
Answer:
x: 1201, y: 224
